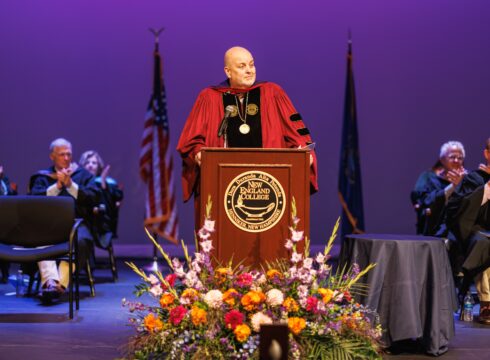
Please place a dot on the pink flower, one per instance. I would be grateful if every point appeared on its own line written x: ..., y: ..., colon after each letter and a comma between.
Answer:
x: 209, y: 225
x: 207, y: 246
x: 296, y: 257
x: 296, y: 235
x: 199, y: 257
x: 244, y: 280
x: 234, y: 318
x: 312, y: 304
x: 176, y: 263
x: 320, y: 258
x: 191, y: 279
x: 308, y: 263
x: 302, y: 291
x: 153, y: 279
x: 306, y: 275
x: 203, y: 235
x: 195, y: 266
x: 177, y: 314
x: 156, y: 290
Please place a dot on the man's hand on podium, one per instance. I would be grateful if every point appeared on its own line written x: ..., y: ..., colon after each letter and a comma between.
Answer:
x: 311, y: 156
x: 197, y: 158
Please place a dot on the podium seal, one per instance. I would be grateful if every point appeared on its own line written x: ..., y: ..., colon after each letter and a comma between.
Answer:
x: 254, y: 201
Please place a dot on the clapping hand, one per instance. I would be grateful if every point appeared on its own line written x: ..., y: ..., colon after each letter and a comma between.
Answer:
x: 103, y: 176
x: 485, y: 168
x: 64, y: 177
x: 455, y: 176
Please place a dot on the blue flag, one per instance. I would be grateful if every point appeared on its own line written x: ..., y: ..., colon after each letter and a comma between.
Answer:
x: 350, y: 186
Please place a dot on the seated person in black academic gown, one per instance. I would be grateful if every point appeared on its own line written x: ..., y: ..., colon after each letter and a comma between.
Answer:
x: 431, y: 194
x: 106, y: 213
x: 434, y: 187
x: 65, y: 178
x: 468, y: 217
x: 5, y: 189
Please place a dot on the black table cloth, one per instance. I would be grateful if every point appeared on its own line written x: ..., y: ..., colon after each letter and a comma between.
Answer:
x: 411, y: 286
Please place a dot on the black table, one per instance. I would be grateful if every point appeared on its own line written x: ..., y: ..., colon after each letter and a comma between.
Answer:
x: 411, y: 286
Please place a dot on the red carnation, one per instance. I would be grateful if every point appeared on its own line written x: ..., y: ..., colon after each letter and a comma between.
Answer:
x: 234, y: 318
x: 170, y: 278
x: 347, y: 296
x: 312, y: 304
x: 177, y: 314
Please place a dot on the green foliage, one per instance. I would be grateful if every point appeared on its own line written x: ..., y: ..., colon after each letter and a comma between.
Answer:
x: 338, y: 348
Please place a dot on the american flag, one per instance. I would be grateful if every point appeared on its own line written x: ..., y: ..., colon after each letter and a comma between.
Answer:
x: 156, y: 164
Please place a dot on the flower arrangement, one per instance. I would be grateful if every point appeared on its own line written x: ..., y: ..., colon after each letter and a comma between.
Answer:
x: 201, y: 311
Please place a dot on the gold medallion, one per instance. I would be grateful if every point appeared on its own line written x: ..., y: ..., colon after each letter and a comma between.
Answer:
x: 252, y: 109
x: 244, y: 129
x: 234, y: 112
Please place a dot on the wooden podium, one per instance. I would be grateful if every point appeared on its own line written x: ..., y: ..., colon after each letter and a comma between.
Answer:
x: 251, y: 191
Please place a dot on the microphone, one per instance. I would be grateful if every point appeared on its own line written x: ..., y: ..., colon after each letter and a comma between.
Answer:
x: 224, y: 123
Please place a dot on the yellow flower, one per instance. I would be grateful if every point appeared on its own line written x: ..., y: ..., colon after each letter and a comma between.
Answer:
x: 221, y: 274
x: 296, y: 324
x: 290, y: 304
x: 153, y: 323
x: 242, y: 332
x: 167, y: 300
x: 229, y: 296
x: 326, y: 294
x: 273, y: 273
x: 198, y: 316
x: 253, y: 298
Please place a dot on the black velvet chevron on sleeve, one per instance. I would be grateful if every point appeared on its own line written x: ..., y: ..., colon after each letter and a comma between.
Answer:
x: 303, y: 131
x: 295, y: 117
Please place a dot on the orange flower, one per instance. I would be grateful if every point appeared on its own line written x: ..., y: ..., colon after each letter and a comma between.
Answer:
x: 253, y: 298
x: 296, y: 324
x: 272, y: 273
x: 229, y: 296
x: 351, y: 323
x: 190, y: 293
x: 167, y: 300
x: 326, y: 294
x: 290, y: 304
x: 153, y: 323
x: 198, y: 316
x: 242, y: 332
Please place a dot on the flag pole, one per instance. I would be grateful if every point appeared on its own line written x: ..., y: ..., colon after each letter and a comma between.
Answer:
x: 154, y: 266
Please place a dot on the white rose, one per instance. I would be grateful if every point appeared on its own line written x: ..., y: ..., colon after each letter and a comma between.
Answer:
x: 275, y: 297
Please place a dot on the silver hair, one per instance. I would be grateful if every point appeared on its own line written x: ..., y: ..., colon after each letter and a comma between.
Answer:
x: 59, y: 142
x: 451, y: 144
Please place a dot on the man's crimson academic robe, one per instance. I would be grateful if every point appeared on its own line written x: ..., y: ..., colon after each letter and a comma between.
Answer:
x: 280, y: 123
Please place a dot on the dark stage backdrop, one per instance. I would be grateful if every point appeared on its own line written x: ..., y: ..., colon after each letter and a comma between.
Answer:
x: 82, y: 69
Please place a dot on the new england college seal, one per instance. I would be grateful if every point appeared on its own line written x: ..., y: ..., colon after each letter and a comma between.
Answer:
x: 254, y: 201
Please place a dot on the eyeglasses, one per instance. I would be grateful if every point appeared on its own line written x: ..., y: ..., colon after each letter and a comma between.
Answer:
x: 456, y: 157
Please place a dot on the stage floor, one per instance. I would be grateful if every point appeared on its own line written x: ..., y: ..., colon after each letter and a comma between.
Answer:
x: 29, y: 330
